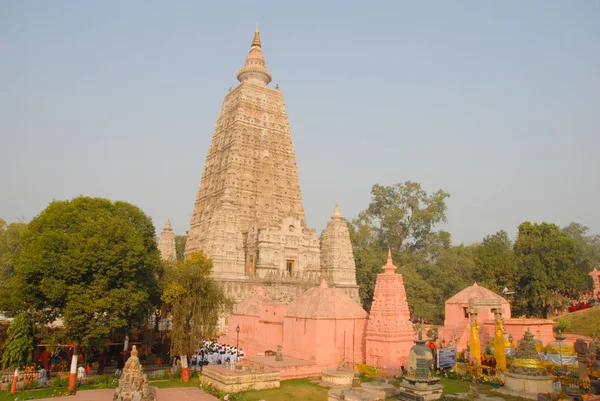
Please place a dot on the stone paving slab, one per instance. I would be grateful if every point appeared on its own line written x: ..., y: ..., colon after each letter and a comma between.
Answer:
x: 162, y: 394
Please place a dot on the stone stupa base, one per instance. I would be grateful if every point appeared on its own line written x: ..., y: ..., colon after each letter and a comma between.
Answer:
x: 426, y: 389
x: 526, y: 386
x: 355, y: 394
x: 337, y: 377
x: 389, y: 389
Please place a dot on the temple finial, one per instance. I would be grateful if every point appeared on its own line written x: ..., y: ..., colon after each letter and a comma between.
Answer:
x: 256, y: 40
x: 336, y: 212
x: 389, y: 268
x: 168, y: 225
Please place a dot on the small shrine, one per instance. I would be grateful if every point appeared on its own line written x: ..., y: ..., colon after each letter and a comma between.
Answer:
x: 133, y: 384
x: 420, y: 383
x: 526, y: 376
x: 389, y: 331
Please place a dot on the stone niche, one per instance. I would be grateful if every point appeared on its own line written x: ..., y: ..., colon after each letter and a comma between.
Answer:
x: 243, y: 378
x: 287, y: 250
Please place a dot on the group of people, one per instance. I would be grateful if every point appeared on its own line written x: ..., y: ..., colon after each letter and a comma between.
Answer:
x: 213, y: 353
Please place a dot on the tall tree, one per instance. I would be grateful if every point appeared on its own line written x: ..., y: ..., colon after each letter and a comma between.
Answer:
x: 549, y: 268
x: 180, y: 241
x: 10, y: 244
x: 194, y: 301
x: 401, y: 217
x: 404, y: 217
x: 587, y: 246
x: 91, y: 262
x: 18, y: 349
x: 496, y: 262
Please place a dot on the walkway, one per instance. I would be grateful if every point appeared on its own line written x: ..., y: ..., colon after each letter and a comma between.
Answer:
x: 162, y: 394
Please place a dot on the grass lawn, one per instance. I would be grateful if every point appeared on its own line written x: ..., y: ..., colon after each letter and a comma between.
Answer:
x: 301, y: 389
x: 584, y: 322
x: 454, y: 386
x: 30, y: 394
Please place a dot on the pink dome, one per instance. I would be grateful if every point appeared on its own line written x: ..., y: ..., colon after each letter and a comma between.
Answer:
x: 474, y: 291
x: 325, y: 303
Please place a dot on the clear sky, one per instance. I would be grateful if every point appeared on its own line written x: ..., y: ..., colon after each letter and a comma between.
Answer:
x: 495, y: 102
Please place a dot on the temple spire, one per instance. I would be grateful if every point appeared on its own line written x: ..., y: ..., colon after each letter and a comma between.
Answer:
x: 254, y: 69
x: 336, y: 212
x: 389, y: 268
x: 256, y: 40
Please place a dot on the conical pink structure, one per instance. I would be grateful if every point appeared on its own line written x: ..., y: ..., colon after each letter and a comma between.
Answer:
x: 389, y: 331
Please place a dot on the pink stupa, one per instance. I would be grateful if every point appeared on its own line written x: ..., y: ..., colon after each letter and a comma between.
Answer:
x: 389, y: 331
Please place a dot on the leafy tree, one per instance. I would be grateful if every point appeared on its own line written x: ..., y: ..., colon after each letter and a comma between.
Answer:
x: 548, y: 262
x: 403, y: 217
x: 587, y: 246
x: 91, y: 262
x: 180, y: 241
x: 496, y: 262
x: 10, y: 240
x: 454, y: 270
x: 18, y: 349
x: 195, y: 302
x: 19, y: 345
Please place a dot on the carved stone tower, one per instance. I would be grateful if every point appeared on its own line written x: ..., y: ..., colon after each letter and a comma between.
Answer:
x: 248, y: 216
x: 166, y: 243
x: 337, y: 258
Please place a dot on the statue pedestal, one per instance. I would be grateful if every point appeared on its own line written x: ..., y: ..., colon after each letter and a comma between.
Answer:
x: 428, y: 389
x: 380, y: 386
x: 525, y: 385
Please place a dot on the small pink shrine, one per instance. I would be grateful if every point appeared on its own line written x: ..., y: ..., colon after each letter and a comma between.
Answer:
x: 457, y: 326
x: 596, y: 278
x: 390, y: 334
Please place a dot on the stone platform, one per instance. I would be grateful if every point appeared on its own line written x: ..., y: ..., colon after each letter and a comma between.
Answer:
x: 526, y: 386
x: 337, y: 377
x: 352, y: 394
x: 240, y: 380
x: 289, y: 368
x: 389, y: 389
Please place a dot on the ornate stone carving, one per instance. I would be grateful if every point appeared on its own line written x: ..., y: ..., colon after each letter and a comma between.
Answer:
x: 166, y: 243
x: 337, y: 258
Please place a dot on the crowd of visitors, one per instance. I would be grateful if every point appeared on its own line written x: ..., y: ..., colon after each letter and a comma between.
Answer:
x: 212, y: 353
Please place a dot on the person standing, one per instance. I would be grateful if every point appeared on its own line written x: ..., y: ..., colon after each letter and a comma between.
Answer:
x: 120, y: 365
x: 101, y: 361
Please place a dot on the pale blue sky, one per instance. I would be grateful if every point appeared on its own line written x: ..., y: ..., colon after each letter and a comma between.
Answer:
x: 496, y: 102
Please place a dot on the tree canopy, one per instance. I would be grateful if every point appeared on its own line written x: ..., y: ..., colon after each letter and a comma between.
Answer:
x: 549, y: 269
x: 93, y: 263
x: 18, y: 349
x: 10, y: 244
x: 194, y: 302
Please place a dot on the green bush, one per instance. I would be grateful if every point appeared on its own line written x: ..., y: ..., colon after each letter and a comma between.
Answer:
x: 107, y: 382
x: 59, y: 382
x: 563, y: 324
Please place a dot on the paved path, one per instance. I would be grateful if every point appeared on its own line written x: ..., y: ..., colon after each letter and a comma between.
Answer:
x: 162, y: 394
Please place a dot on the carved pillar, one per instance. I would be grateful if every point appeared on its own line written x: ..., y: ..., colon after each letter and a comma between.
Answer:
x: 474, y: 342
x: 499, y: 350
x: 581, y: 348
